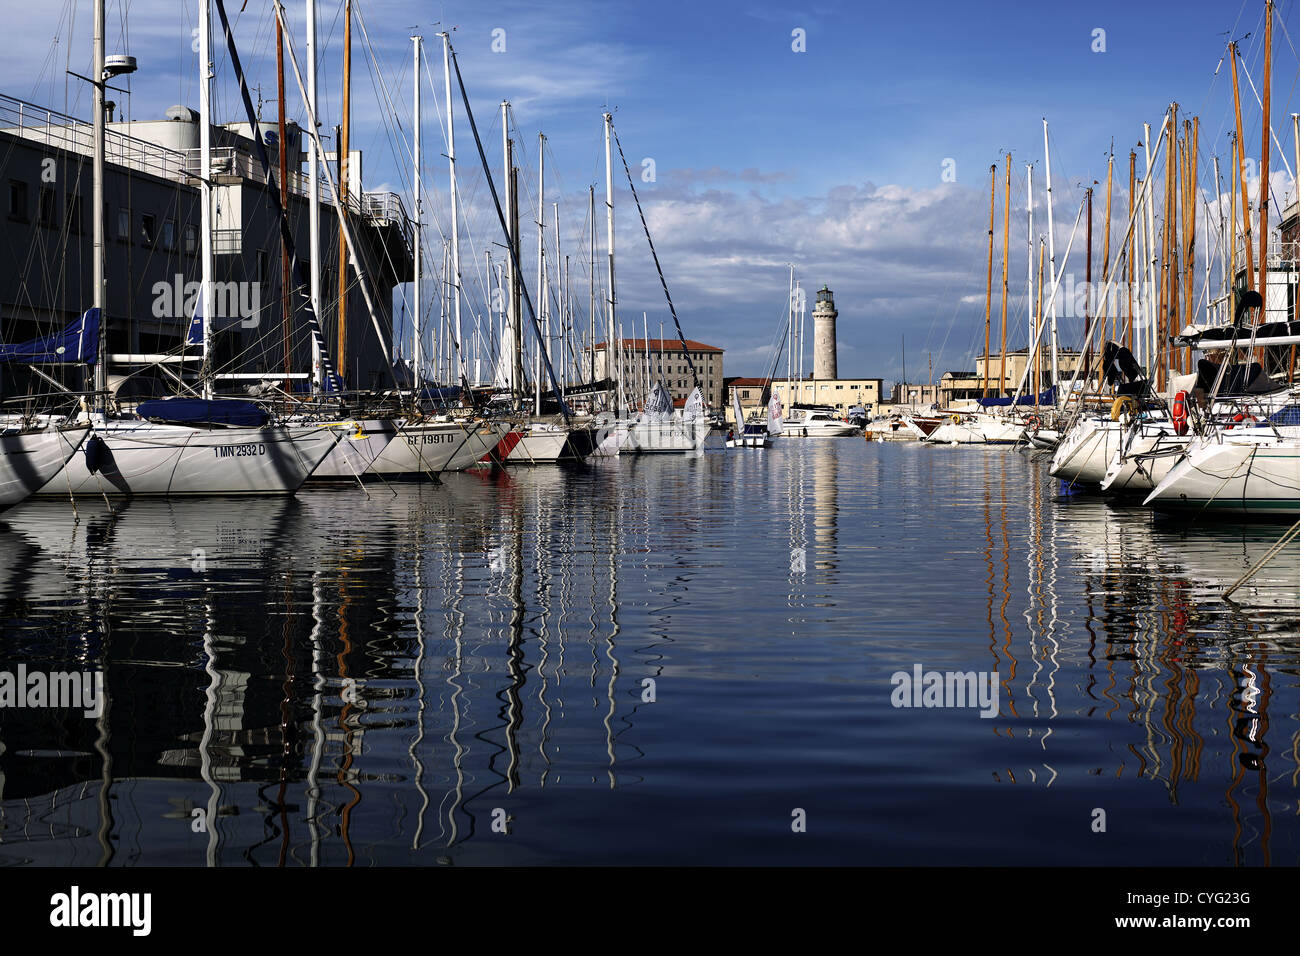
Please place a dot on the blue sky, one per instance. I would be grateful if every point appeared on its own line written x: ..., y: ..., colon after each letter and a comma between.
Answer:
x: 829, y: 158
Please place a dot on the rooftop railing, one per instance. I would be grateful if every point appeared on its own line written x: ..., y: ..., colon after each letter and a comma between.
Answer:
x: 61, y: 131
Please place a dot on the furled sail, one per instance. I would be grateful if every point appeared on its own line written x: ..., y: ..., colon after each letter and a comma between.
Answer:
x: 79, y: 342
x: 735, y: 407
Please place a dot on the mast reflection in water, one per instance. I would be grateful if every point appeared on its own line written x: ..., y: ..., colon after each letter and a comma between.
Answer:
x: 651, y: 661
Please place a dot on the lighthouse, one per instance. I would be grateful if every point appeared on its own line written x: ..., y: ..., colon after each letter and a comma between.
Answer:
x: 824, y: 316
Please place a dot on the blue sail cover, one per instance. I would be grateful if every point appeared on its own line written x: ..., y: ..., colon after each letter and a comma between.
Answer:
x: 203, y: 411
x: 195, y: 334
x: 1046, y: 397
x: 79, y: 342
x: 445, y: 395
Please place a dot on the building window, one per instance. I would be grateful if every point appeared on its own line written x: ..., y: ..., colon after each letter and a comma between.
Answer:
x: 191, y: 234
x: 169, y: 235
x: 74, y: 215
x: 839, y: 388
x: 47, y: 206
x: 124, y: 224
x: 148, y: 229
x: 17, y: 200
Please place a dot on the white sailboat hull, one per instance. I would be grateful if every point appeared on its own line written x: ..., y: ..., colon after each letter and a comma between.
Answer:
x: 28, y: 461
x: 1083, y: 457
x: 796, y: 428
x: 978, y: 430
x: 428, y: 448
x: 550, y: 444
x: 355, y: 453
x: 148, y: 458
x: 1239, y: 475
x: 1143, y: 459
x: 610, y: 439
x: 665, y: 437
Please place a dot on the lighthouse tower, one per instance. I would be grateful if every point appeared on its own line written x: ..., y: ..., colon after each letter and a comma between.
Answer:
x: 824, y: 316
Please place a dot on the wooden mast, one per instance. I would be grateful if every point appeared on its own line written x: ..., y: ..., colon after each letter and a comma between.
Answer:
x: 1240, y: 163
x: 988, y: 294
x: 1231, y: 278
x: 1006, y: 244
x: 342, y: 150
x: 1169, y: 264
x: 1192, y: 135
x: 1176, y: 260
x: 1180, y: 240
x: 1264, y: 150
x: 284, y: 204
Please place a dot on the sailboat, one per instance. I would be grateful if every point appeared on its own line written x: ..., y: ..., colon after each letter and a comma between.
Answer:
x: 30, y: 456
x: 181, y: 445
x: 747, y: 434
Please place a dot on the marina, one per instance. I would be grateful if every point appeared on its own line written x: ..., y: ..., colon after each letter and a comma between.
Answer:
x: 437, y: 444
x: 343, y: 681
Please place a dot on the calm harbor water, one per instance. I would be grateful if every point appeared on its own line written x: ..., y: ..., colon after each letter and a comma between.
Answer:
x: 652, y: 661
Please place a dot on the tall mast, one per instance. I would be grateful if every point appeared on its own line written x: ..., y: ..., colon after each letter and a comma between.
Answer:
x: 509, y: 305
x: 559, y: 293
x: 1105, y: 252
x: 1038, y: 325
x: 1029, y: 260
x: 516, y: 279
x: 1264, y: 150
x: 1169, y: 273
x: 1192, y: 135
x: 1132, y: 244
x: 541, y: 274
x: 1051, y: 253
x: 609, y: 242
x: 988, y: 292
x: 444, y: 340
x: 205, y: 186
x: 591, y: 304
x: 1087, y: 289
x: 97, y: 214
x: 1240, y: 163
x: 789, y: 341
x: 285, y: 308
x: 802, y: 310
x: 1150, y: 260
x: 313, y: 195
x: 341, y: 149
x: 455, y: 202
x: 1295, y: 132
x: 1006, y: 251
x: 417, y: 307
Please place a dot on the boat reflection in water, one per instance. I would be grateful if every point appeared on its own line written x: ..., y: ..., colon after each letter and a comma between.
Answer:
x: 250, y: 652
x: 650, y: 660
